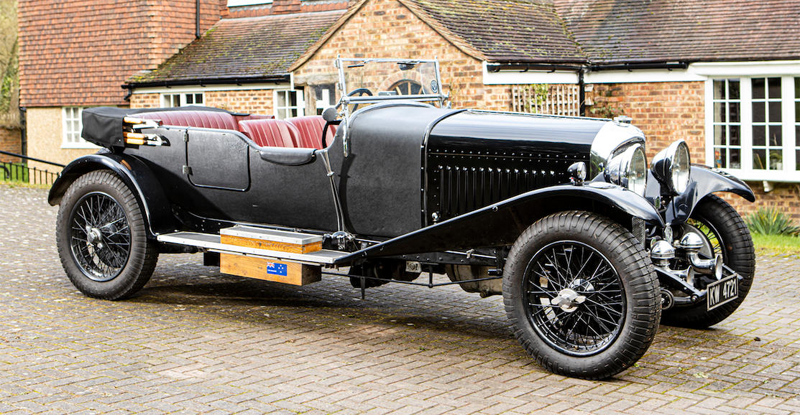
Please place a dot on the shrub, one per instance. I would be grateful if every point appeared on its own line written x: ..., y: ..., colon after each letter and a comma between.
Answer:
x: 770, y: 221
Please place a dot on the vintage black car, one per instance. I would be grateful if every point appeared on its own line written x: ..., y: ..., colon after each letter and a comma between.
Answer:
x: 589, y: 247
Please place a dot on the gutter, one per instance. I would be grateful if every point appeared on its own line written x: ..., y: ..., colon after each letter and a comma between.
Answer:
x: 203, y: 82
x: 581, y: 69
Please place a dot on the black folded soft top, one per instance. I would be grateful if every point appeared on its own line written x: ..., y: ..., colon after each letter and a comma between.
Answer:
x: 103, y: 125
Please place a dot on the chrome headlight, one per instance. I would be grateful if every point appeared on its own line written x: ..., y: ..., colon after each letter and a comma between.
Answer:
x: 672, y: 167
x: 628, y: 168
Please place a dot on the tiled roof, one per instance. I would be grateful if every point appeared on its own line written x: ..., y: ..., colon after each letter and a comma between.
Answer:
x: 243, y: 49
x: 79, y: 52
x: 630, y: 31
x: 505, y: 30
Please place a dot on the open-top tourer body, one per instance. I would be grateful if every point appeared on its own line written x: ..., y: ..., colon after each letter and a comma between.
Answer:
x: 559, y: 215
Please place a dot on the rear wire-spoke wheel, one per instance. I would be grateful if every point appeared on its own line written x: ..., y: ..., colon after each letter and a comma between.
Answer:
x: 102, y: 239
x: 582, y: 295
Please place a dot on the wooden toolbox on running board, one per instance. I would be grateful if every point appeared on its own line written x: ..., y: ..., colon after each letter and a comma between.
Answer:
x: 286, y: 272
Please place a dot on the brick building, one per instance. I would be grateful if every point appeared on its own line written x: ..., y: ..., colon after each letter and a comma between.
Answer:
x: 724, y: 78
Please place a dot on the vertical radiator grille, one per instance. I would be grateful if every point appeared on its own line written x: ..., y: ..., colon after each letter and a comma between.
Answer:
x: 456, y: 187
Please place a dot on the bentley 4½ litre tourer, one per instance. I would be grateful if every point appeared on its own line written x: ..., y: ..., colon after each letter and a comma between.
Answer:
x: 589, y: 247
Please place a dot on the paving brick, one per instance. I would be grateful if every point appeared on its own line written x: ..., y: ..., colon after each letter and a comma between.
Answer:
x: 196, y: 341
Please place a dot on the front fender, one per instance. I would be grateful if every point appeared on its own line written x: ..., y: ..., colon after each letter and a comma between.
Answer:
x: 503, y: 222
x: 704, y: 182
x: 135, y: 174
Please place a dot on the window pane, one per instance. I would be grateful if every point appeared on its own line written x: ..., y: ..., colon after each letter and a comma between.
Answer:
x: 736, y: 159
x: 797, y: 160
x: 281, y: 114
x: 719, y: 135
x: 293, y: 97
x: 733, y: 109
x: 775, y: 160
x: 720, y: 158
x: 758, y: 88
x: 281, y: 99
x: 774, y: 88
x: 775, y: 135
x: 719, y: 89
x: 759, y: 135
x: 797, y: 110
x: 797, y: 135
x: 759, y: 112
x: 735, y: 135
x: 774, y: 112
x: 189, y: 99
x: 733, y: 89
x: 797, y: 88
x: 719, y: 112
x: 760, y: 159
x: 198, y: 98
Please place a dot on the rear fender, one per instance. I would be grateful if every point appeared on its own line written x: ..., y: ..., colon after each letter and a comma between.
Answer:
x: 501, y: 223
x: 705, y: 181
x: 135, y: 174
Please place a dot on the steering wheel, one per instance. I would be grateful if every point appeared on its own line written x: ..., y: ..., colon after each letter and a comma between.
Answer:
x: 359, y: 92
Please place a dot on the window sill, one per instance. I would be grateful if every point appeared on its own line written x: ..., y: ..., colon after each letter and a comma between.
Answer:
x: 79, y: 146
x: 765, y: 176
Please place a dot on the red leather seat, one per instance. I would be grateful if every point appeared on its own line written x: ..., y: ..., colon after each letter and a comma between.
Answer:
x: 270, y: 133
x: 200, y: 119
x: 310, y: 129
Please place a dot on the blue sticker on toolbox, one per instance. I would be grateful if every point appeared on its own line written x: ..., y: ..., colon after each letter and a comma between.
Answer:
x: 276, y: 268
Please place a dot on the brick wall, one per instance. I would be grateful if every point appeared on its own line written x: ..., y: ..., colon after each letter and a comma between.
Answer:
x: 10, y: 141
x: 783, y: 196
x: 78, y: 53
x: 254, y: 101
x: 664, y: 111
x: 387, y: 29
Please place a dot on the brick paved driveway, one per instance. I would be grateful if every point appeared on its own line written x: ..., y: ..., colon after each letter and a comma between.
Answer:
x: 197, y: 341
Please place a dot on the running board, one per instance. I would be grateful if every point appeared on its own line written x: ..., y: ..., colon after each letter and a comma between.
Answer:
x: 212, y: 243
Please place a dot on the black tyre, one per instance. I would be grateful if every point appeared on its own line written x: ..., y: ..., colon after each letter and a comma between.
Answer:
x: 726, y: 234
x: 570, y: 255
x: 101, y: 237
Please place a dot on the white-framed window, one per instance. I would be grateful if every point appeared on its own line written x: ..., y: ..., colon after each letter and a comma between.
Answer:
x: 325, y: 95
x: 753, y: 126
x: 289, y: 104
x: 71, y: 127
x: 182, y: 99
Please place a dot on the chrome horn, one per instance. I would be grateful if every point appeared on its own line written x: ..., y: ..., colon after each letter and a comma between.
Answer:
x: 692, y: 243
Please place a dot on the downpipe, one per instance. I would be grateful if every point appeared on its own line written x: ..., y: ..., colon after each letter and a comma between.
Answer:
x: 690, y: 244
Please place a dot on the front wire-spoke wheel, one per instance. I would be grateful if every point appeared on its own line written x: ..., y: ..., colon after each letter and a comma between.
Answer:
x: 102, y: 239
x: 576, y: 298
x: 581, y: 294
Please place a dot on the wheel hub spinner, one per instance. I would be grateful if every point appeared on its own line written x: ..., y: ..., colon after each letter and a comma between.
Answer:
x: 568, y: 300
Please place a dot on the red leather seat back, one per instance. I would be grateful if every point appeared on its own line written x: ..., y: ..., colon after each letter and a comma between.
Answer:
x: 270, y: 133
x: 240, y: 118
x: 200, y: 119
x: 310, y: 129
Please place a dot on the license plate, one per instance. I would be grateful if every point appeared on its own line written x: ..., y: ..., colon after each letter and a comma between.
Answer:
x: 722, y: 291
